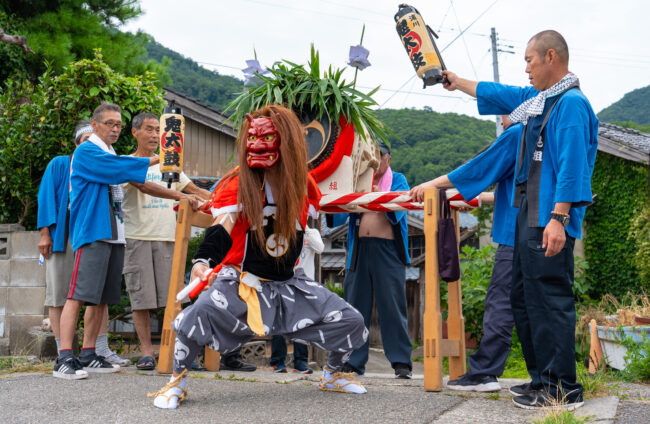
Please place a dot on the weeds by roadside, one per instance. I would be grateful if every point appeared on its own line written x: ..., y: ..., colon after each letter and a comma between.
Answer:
x: 232, y: 377
x: 15, y: 364
x: 556, y: 416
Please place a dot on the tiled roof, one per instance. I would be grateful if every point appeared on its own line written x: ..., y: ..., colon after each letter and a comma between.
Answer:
x: 628, y: 136
x: 332, y: 260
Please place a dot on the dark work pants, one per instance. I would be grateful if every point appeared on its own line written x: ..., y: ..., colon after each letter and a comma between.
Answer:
x: 279, y: 352
x: 544, y: 310
x: 380, y: 272
x: 492, y: 353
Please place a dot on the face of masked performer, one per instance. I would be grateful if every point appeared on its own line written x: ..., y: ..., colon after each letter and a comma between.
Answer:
x: 262, y: 143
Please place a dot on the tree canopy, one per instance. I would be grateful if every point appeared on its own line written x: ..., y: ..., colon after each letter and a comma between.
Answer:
x: 62, y: 31
x: 433, y: 144
x: 37, y: 124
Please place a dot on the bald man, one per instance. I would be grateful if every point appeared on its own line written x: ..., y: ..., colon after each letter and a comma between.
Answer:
x: 554, y: 164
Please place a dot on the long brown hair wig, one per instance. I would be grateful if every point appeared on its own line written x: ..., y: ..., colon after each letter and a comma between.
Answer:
x: 290, y: 171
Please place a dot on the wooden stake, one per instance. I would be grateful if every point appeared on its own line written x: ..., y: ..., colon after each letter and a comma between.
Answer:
x: 455, y: 319
x: 432, y: 315
x: 595, y: 349
x: 184, y: 221
x: 183, y: 227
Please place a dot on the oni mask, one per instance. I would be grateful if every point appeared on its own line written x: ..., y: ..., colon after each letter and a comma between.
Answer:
x: 262, y: 143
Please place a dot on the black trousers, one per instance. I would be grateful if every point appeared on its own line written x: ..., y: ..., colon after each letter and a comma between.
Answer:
x: 544, y: 310
x: 491, y: 355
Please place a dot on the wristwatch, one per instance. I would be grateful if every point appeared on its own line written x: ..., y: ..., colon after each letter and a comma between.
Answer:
x: 563, y: 218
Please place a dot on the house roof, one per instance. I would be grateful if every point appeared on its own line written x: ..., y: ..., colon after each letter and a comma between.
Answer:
x: 624, y: 142
x: 200, y: 112
x: 333, y: 260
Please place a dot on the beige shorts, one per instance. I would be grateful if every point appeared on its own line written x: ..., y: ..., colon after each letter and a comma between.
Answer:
x: 147, y: 268
x: 58, y: 273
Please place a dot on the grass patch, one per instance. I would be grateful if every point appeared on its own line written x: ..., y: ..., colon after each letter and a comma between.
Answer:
x: 515, y: 364
x: 493, y: 396
x: 556, y: 416
x: 233, y: 377
x: 14, y: 364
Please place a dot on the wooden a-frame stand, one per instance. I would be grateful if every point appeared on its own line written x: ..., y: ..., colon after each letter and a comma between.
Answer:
x: 185, y: 219
x: 435, y: 347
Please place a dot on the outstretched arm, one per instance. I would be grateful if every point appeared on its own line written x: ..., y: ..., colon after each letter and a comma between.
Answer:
x: 417, y: 192
x: 454, y: 82
x: 157, y: 190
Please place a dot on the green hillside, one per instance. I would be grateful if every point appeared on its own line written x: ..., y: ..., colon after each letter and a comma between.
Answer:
x: 192, y: 79
x: 434, y: 143
x: 634, y: 106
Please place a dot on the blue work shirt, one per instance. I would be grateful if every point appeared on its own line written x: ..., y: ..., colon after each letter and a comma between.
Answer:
x: 53, y: 201
x: 93, y: 170
x: 570, y: 147
x: 395, y: 218
x: 494, y: 165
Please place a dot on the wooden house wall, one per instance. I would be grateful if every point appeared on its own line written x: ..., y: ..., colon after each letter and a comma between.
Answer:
x: 206, y: 151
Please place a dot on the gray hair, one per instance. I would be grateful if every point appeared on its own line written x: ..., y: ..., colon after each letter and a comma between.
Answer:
x: 139, y: 119
x: 83, y: 127
x: 99, y: 110
x: 550, y: 39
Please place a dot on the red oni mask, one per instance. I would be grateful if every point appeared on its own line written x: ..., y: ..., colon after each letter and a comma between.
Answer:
x: 262, y: 143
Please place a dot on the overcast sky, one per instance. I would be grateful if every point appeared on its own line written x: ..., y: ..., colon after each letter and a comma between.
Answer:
x: 608, y: 41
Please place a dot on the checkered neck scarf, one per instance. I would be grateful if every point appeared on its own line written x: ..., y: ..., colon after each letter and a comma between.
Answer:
x: 535, y: 106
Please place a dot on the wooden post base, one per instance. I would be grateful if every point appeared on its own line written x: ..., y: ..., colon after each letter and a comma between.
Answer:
x: 435, y: 347
x: 185, y: 219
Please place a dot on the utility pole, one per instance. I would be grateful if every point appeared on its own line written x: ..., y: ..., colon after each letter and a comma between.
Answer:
x: 495, y: 68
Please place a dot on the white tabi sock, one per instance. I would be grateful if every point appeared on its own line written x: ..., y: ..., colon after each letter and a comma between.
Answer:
x: 169, y: 399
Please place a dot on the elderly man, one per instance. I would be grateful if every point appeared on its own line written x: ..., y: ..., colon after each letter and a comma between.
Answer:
x: 555, y: 161
x: 97, y: 233
x: 150, y: 224
x: 55, y: 246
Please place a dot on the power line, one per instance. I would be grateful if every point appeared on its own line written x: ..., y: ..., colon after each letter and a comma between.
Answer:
x: 469, y: 56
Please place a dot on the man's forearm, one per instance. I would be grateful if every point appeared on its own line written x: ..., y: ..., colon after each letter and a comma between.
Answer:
x: 562, y: 207
x: 156, y: 190
x: 467, y: 86
x: 192, y: 188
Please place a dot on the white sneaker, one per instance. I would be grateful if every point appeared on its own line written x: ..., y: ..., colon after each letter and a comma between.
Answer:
x: 174, y: 392
x: 340, y: 382
x: 115, y: 359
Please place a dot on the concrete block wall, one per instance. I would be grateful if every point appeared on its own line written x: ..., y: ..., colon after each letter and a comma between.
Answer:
x: 22, y: 286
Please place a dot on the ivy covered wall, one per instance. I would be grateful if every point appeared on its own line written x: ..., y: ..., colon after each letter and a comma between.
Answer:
x: 616, y: 227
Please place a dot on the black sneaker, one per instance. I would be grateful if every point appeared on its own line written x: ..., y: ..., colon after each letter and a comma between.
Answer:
x: 69, y: 369
x: 540, y: 399
x: 96, y: 363
x: 236, y: 364
x: 475, y: 383
x: 403, y: 371
x: 521, y: 389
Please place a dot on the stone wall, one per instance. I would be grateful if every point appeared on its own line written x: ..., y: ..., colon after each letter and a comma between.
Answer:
x: 22, y: 287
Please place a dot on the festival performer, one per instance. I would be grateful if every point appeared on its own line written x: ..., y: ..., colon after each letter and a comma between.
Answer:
x: 260, y: 212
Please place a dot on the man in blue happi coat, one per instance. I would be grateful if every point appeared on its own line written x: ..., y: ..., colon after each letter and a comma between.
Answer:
x: 554, y: 164
x: 494, y: 165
